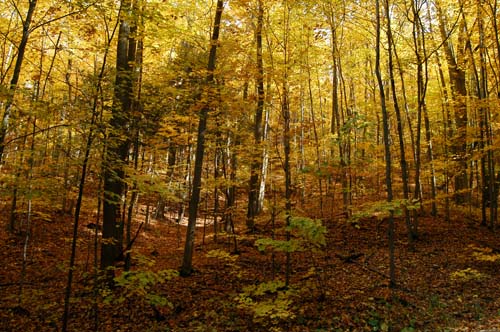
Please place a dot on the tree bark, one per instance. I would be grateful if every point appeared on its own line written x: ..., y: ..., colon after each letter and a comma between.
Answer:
x: 79, y: 200
x: 285, y: 113
x: 459, y: 95
x: 387, y: 148
x: 337, y: 121
x: 257, y: 158
x: 118, y: 145
x: 15, y: 76
x: 399, y: 122
x: 187, y: 265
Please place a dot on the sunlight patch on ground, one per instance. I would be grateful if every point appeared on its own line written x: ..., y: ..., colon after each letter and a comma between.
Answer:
x: 172, y: 216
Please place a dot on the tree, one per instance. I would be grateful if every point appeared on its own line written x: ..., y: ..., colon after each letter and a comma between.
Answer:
x: 285, y: 113
x: 84, y: 169
x: 258, y: 132
x: 338, y: 123
x: 387, y: 147
x: 458, y: 89
x: 27, y: 29
x: 187, y: 265
x: 118, y: 143
x: 399, y: 120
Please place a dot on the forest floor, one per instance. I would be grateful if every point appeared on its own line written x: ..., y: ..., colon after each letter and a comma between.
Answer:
x: 448, y: 281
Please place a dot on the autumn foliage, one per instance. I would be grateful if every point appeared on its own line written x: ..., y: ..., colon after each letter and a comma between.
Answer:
x: 249, y: 165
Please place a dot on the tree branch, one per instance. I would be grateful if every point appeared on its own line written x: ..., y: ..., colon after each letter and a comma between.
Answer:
x: 61, y: 17
x: 34, y: 133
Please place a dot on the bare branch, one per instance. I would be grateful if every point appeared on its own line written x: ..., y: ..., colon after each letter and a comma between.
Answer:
x: 61, y: 17
x: 34, y: 133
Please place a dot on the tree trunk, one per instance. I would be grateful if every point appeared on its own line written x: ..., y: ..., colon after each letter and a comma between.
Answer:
x: 336, y: 120
x: 314, y: 126
x: 15, y: 76
x: 494, y: 22
x: 459, y: 95
x: 285, y: 113
x: 447, y: 130
x: 187, y: 265
x: 79, y: 200
x: 399, y: 122
x: 265, y: 163
x: 487, y: 158
x: 387, y: 148
x: 135, y: 60
x: 257, y: 156
x: 133, y: 202
x: 118, y: 144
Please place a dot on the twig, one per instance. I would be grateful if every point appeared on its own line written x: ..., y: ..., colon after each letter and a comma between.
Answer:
x: 35, y: 132
x: 129, y: 245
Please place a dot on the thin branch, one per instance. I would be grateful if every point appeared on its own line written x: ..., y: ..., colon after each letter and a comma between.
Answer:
x: 18, y: 11
x: 453, y: 27
x: 34, y: 133
x: 61, y: 17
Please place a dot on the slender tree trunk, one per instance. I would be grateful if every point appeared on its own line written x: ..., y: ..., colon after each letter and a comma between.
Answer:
x: 15, y: 190
x: 336, y: 121
x: 15, y: 76
x: 186, y: 187
x: 494, y: 10
x: 387, y: 148
x: 265, y: 163
x: 228, y: 160
x: 399, y: 122
x: 405, y: 103
x: 27, y: 233
x: 459, y: 95
x: 316, y: 136
x: 133, y: 202
x: 301, y: 156
x: 285, y: 113
x: 7, y: 51
x: 68, y: 146
x: 216, y: 193
x: 257, y: 161
x: 430, y: 157
x: 265, y: 148
x: 487, y: 158
x: 447, y: 128
x: 419, y: 49
x: 187, y: 265
x: 79, y: 200
x: 76, y: 222
x: 345, y: 155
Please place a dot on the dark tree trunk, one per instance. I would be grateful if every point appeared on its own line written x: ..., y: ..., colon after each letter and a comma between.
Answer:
x: 84, y: 169
x: 285, y: 113
x: 15, y: 76
x: 118, y: 144
x: 399, y: 122
x: 387, y: 147
x: 187, y: 265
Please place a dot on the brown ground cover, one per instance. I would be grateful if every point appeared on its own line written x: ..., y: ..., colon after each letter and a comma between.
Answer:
x: 449, y: 281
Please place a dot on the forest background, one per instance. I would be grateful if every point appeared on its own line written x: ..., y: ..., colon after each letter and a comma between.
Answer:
x: 282, y: 156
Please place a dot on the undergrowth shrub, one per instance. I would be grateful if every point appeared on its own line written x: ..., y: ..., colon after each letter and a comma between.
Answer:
x: 272, y: 302
x: 139, y: 285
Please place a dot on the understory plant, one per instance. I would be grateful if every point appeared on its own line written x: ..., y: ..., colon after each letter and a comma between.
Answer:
x: 272, y: 301
x: 139, y: 284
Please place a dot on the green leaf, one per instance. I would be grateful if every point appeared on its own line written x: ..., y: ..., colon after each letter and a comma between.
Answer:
x: 311, y: 230
x: 278, y: 245
x: 408, y: 329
